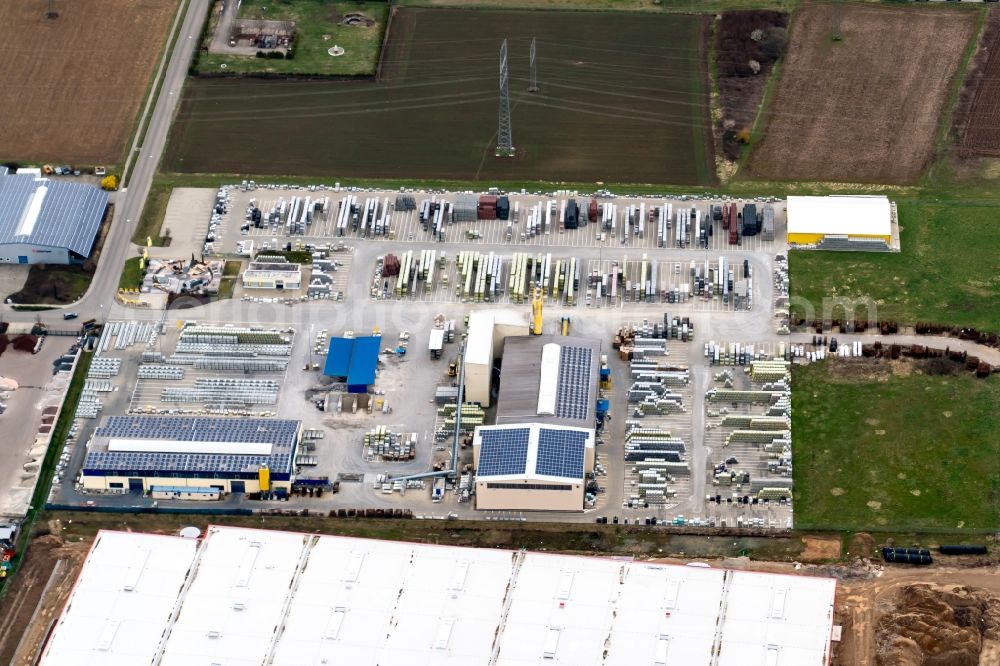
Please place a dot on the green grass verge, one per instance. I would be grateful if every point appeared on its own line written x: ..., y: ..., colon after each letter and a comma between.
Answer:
x: 232, y: 269
x: 230, y: 273
x: 886, y: 447
x: 151, y: 220
x: 141, y: 124
x: 669, y: 6
x: 31, y: 308
x: 47, y: 470
x: 314, y: 19
x: 293, y: 256
x: 948, y: 271
x: 569, y: 537
x: 131, y: 274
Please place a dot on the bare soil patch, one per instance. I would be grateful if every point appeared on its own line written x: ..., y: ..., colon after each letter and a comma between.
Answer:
x: 865, y: 108
x: 821, y: 548
x: 71, y: 87
x: 37, y: 596
x: 937, y: 624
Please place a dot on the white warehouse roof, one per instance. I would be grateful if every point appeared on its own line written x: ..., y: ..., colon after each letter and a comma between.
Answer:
x: 121, y: 605
x: 840, y: 215
x: 301, y: 599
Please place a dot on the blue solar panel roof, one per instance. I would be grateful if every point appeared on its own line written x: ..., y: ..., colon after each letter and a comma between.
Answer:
x: 280, y: 433
x: 573, y: 388
x: 561, y: 452
x: 70, y: 215
x: 503, y: 451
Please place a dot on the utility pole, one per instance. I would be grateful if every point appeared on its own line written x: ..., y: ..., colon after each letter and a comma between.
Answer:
x: 52, y: 13
x: 533, y: 86
x: 505, y: 144
x: 838, y: 18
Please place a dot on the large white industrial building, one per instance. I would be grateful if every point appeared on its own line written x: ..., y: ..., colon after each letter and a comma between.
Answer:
x: 245, y: 597
x: 47, y: 221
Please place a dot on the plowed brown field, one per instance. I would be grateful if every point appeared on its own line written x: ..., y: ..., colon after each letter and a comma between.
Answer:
x: 71, y: 87
x: 982, y: 131
x: 865, y: 108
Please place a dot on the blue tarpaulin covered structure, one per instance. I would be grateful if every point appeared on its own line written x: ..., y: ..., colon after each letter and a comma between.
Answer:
x: 353, y: 360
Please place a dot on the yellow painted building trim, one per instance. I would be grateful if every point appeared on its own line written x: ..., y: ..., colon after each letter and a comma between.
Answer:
x: 250, y: 485
x: 813, y: 239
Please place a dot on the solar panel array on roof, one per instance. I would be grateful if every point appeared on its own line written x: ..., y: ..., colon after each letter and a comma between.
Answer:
x: 280, y: 433
x: 561, y: 452
x: 573, y: 392
x: 69, y: 217
x: 503, y: 451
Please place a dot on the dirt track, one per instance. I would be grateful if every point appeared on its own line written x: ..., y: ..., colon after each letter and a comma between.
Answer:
x: 37, y: 597
x: 865, y: 108
x: 71, y: 87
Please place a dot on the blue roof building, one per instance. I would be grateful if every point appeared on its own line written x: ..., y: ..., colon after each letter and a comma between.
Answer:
x: 354, y: 361
x: 47, y: 221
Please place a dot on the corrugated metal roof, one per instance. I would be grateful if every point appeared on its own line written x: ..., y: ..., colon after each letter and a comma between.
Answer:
x: 353, y: 358
x: 521, y: 382
x: 69, y: 217
x: 363, y: 361
x: 338, y: 357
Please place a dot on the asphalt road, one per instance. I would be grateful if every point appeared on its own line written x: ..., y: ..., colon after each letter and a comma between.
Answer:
x: 130, y: 201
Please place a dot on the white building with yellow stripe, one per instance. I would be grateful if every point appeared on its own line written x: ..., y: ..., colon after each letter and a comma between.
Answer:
x: 841, y: 222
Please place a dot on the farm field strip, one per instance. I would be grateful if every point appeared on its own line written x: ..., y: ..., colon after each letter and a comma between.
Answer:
x: 982, y: 133
x: 623, y: 97
x: 73, y: 85
x: 865, y: 108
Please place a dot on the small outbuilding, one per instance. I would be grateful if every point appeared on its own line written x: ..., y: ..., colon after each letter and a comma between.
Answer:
x: 841, y: 222
x: 354, y: 361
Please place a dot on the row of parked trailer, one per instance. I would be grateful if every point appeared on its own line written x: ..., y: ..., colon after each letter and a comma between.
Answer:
x: 373, y: 218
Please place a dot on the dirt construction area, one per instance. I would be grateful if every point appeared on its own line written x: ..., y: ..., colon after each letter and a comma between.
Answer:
x: 913, y: 617
x: 71, y: 87
x: 34, y: 602
x: 866, y: 107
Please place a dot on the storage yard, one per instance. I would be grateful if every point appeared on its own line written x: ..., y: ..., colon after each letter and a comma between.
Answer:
x: 866, y: 108
x: 622, y: 98
x: 62, y: 101
x: 693, y: 371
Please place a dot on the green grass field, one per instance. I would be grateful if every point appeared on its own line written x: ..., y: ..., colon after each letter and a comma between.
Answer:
x: 886, y: 447
x: 319, y: 28
x: 153, y: 212
x: 623, y: 98
x: 131, y: 277
x: 948, y: 271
